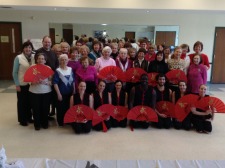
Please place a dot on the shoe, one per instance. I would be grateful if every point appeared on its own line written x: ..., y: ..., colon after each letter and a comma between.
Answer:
x: 45, y: 127
x: 37, y: 128
x: 52, y: 113
x: 31, y: 121
x: 23, y: 124
x: 51, y: 118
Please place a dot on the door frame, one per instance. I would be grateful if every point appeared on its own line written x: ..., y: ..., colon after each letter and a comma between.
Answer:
x: 214, y: 46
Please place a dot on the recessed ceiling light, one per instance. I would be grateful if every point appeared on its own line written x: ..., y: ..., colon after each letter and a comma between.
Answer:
x: 104, y: 24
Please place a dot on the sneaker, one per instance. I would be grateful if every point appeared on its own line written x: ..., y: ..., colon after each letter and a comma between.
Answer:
x: 52, y: 113
x: 37, y: 128
x: 23, y: 124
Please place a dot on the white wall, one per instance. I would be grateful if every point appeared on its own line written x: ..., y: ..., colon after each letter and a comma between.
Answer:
x: 192, y: 27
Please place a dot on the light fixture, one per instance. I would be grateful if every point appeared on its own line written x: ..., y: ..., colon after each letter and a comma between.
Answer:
x: 104, y: 33
x: 104, y: 24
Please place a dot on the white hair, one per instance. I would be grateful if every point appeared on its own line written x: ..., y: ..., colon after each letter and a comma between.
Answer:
x: 63, y: 56
x: 107, y: 48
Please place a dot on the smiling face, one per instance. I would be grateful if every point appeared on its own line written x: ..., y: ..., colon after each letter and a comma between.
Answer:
x: 85, y: 63
x: 118, y: 85
x: 202, y: 90
x: 41, y: 60
x: 82, y: 87
x: 161, y: 81
x: 27, y: 50
x: 47, y: 43
x: 159, y: 57
x: 182, y: 87
x: 101, y: 86
x: 198, y: 49
x: 123, y: 53
x: 196, y: 59
x: 177, y: 53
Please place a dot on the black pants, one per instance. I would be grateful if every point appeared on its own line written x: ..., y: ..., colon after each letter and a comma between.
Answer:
x: 201, y: 125
x: 62, y: 107
x: 99, y: 127
x: 115, y: 123
x: 139, y: 124
x: 40, y: 105
x: 163, y: 122
x: 185, y: 124
x: 23, y: 105
x: 82, y: 127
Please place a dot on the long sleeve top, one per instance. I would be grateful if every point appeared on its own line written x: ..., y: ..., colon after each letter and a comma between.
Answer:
x: 89, y: 74
x: 102, y: 62
x: 196, y: 75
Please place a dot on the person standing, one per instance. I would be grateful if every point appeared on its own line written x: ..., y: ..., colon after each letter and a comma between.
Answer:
x: 197, y: 75
x: 21, y: 63
x: 52, y: 61
x: 64, y: 85
x: 41, y: 97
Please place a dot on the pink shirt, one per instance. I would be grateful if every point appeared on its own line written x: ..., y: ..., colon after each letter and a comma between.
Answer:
x: 101, y: 62
x: 88, y: 74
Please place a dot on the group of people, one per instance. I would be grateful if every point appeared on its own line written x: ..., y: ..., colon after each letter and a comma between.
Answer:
x: 75, y: 81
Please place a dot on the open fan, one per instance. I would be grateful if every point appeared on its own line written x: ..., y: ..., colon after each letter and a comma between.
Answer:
x: 37, y: 72
x: 111, y: 73
x: 174, y: 76
x: 183, y: 106
x: 208, y: 101
x: 151, y: 78
x: 78, y: 113
x: 134, y: 74
x: 102, y: 113
x: 119, y: 113
x: 142, y: 113
x: 166, y: 107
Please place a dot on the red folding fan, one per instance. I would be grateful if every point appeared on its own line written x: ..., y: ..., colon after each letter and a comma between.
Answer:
x: 37, y: 72
x: 166, y: 107
x: 102, y: 113
x: 111, y: 73
x: 174, y: 76
x: 142, y: 113
x: 78, y: 113
x: 151, y: 79
x: 134, y: 74
x: 206, y: 102
x: 183, y: 106
x: 119, y: 113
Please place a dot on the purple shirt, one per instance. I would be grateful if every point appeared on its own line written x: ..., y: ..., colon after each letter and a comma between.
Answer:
x: 74, y: 65
x: 196, y: 75
x: 88, y: 74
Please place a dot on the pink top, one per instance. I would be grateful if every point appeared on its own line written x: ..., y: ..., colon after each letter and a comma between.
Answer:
x: 101, y: 62
x: 196, y: 75
x: 88, y: 74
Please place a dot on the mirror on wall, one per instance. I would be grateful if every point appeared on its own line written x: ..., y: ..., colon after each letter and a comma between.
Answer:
x: 67, y: 31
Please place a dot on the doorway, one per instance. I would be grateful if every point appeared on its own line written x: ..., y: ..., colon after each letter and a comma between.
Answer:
x: 218, y: 62
x: 10, y: 47
x: 68, y: 35
x: 165, y: 37
x: 130, y: 35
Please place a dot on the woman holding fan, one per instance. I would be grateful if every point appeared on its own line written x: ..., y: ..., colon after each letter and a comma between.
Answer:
x: 81, y: 97
x: 202, y: 119
x: 41, y: 96
x: 176, y: 95
x: 119, y: 98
